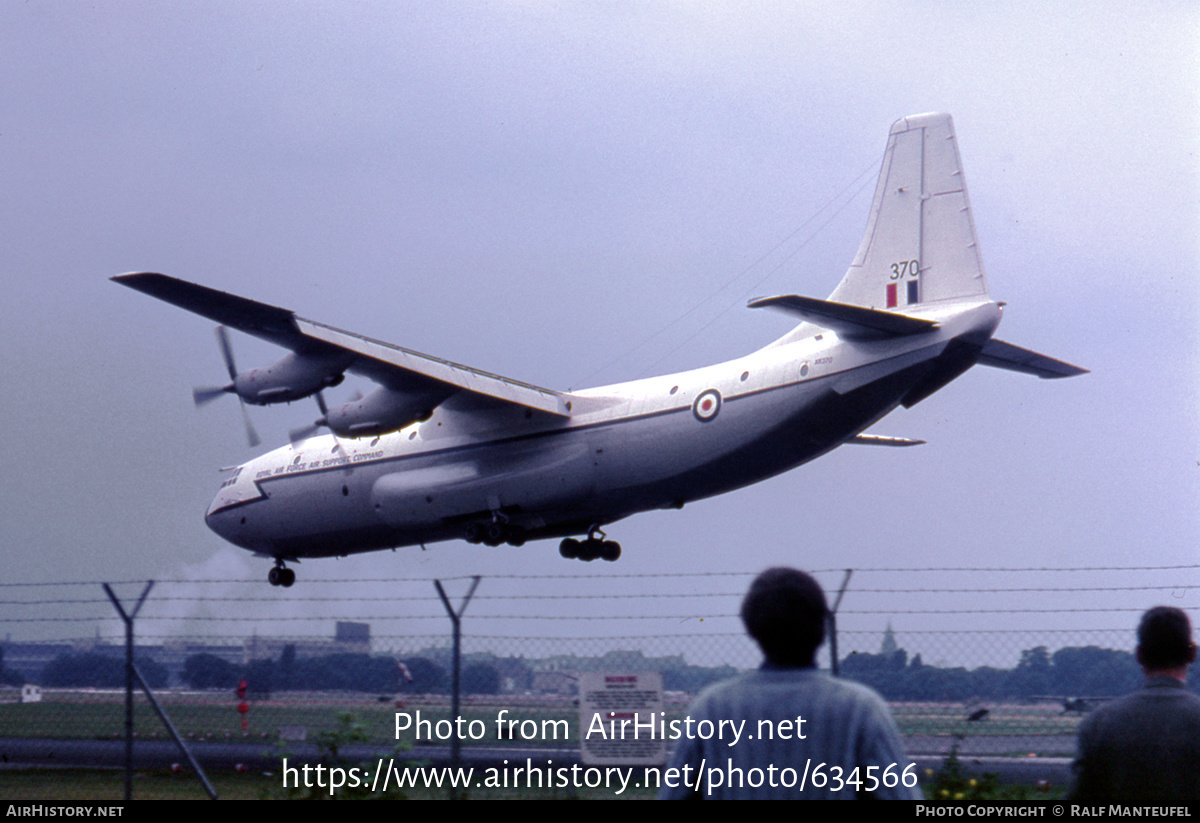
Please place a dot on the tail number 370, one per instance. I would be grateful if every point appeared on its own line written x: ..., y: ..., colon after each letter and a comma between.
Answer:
x: 905, y: 268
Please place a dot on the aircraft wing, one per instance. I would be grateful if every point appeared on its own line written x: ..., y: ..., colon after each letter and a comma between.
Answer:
x: 1003, y: 355
x: 388, y: 364
x: 391, y: 366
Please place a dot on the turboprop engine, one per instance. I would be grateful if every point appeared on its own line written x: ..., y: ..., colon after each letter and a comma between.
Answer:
x: 292, y: 377
x: 383, y: 410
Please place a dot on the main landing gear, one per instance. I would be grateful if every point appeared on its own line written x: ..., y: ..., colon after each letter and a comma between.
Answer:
x: 595, y: 546
x: 495, y: 533
x: 281, y: 575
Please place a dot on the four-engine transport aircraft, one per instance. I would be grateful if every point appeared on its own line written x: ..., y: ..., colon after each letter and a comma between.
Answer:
x: 442, y: 451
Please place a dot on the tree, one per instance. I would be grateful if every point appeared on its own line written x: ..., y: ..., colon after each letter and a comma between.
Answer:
x: 287, y: 666
x: 8, y: 676
x: 1091, y: 670
x: 346, y: 672
x: 93, y: 669
x: 480, y: 678
x: 1033, y: 674
x: 260, y: 676
x: 692, y: 679
x: 208, y: 671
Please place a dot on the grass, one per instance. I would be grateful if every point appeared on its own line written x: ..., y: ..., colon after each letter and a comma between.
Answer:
x: 99, y: 715
x: 70, y: 714
x: 950, y: 719
x: 100, y: 785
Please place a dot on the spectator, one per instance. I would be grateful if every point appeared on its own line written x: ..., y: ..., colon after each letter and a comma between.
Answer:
x: 1146, y: 746
x: 790, y: 731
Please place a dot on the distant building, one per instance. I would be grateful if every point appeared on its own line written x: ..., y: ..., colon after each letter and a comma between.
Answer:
x: 348, y: 638
x: 888, y: 647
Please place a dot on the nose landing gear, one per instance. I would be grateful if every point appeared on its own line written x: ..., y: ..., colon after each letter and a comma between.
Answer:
x: 595, y: 546
x: 281, y: 575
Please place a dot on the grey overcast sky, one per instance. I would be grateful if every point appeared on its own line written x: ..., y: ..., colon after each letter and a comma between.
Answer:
x: 580, y: 193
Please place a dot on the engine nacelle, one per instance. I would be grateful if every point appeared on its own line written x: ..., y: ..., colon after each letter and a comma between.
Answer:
x: 293, y: 377
x: 383, y: 410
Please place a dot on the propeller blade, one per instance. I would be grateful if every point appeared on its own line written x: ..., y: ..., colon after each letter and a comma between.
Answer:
x: 298, y: 435
x: 227, y: 352
x: 203, y: 395
x: 251, y: 434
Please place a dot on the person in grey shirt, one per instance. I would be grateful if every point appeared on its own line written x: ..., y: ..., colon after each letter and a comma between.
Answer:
x: 1145, y: 747
x: 790, y: 731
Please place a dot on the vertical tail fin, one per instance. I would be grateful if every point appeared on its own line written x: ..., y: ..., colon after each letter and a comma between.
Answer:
x: 920, y: 245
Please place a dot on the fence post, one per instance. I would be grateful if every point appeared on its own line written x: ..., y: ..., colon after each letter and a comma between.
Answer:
x: 837, y: 601
x: 456, y: 619
x: 131, y: 673
x: 128, y: 618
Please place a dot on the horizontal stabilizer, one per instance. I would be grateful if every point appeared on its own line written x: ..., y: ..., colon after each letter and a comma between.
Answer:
x: 854, y: 322
x: 1007, y: 356
x: 880, y: 440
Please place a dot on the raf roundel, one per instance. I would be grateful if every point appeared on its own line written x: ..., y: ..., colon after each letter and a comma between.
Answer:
x: 707, y: 405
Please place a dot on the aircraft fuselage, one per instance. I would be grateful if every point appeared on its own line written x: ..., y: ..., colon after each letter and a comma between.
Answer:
x: 445, y: 451
x: 654, y: 443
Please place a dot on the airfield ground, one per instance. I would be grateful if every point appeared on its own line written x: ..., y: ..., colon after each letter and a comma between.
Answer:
x: 69, y: 745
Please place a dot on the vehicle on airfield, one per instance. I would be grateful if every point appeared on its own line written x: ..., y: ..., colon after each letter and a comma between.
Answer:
x: 442, y: 451
x: 1074, y: 705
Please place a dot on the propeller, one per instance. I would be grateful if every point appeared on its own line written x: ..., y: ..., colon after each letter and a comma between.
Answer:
x: 305, y: 432
x: 203, y: 395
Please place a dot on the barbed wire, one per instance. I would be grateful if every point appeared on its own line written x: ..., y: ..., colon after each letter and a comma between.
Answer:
x: 606, y: 597
x: 576, y: 617
x: 443, y: 639
x: 648, y: 576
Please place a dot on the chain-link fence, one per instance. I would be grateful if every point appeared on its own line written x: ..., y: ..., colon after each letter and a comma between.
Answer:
x: 993, y: 661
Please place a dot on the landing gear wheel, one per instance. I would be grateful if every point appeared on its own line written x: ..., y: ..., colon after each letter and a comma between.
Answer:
x: 594, y: 547
x: 610, y: 550
x: 516, y: 536
x: 474, y: 533
x: 495, y: 534
x: 281, y: 575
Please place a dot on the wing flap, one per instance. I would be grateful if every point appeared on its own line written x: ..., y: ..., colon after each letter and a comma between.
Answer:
x: 387, y: 362
x: 854, y: 322
x: 1003, y: 355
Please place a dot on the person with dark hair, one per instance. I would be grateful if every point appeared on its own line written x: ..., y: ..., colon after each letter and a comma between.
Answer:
x: 788, y: 730
x: 1146, y: 746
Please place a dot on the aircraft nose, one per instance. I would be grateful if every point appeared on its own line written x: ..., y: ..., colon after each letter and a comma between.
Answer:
x: 218, y: 521
x: 230, y: 524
